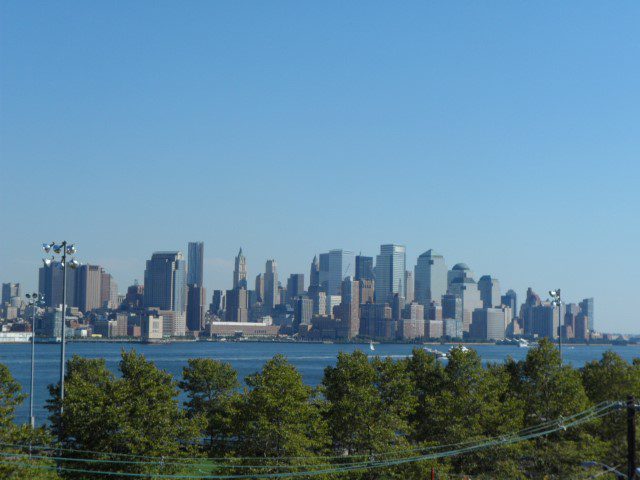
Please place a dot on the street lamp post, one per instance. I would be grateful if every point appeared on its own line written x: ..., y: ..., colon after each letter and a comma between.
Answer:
x: 34, y: 299
x: 557, y: 301
x: 62, y: 249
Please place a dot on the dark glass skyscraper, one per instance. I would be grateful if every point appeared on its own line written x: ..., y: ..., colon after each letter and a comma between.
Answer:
x: 195, y: 274
x: 165, y: 282
x: 364, y: 268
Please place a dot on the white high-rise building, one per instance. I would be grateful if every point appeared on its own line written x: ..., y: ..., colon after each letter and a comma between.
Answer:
x: 430, y: 278
x: 390, y: 272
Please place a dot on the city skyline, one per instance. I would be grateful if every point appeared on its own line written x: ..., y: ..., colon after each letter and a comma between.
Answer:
x: 505, y: 136
x: 486, y: 287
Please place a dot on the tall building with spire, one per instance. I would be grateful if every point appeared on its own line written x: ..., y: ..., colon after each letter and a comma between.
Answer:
x: 240, y: 271
x: 271, y: 284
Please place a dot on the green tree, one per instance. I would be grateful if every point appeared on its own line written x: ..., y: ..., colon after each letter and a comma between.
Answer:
x: 463, y: 402
x: 15, y: 440
x: 135, y: 414
x: 550, y: 391
x: 212, y: 390
x: 279, y: 416
x: 369, y: 403
x: 611, y: 379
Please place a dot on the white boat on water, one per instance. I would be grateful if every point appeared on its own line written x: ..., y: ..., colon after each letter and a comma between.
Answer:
x: 522, y: 343
x: 436, y: 353
x: 461, y: 347
x: 372, y: 346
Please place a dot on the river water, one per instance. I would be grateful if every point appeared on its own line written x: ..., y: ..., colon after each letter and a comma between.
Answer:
x: 246, y: 357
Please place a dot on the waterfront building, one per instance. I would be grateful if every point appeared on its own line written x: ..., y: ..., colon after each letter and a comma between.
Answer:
x: 489, y: 324
x: 430, y: 278
x: 195, y: 273
x: 151, y: 327
x: 390, y: 272
x: 373, y: 319
x: 452, y: 328
x: 433, y: 328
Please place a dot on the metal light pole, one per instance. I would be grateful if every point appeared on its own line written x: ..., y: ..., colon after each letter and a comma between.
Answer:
x: 62, y: 249
x: 556, y: 300
x: 34, y: 299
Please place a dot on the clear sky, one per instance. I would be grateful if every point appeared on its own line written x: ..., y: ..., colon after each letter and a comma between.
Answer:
x: 502, y: 134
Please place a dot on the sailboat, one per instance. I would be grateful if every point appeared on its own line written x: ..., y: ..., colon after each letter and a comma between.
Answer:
x: 371, y: 346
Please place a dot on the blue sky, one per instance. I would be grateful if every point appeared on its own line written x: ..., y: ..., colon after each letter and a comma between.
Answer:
x: 502, y: 134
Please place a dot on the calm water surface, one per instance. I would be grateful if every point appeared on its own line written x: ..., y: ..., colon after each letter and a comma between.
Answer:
x: 246, y: 357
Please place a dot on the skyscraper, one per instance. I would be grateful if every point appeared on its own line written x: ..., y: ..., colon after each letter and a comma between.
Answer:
x: 217, y: 302
x: 586, y: 306
x: 240, y: 271
x: 89, y: 287
x: 271, y: 285
x: 489, y: 291
x: 334, y: 266
x: 237, y: 303
x: 303, y: 311
x: 430, y: 278
x: 364, y: 268
x: 165, y: 282
x: 510, y: 299
x: 10, y: 290
x: 108, y: 291
x: 314, y: 274
x: 295, y: 287
x: 259, y: 289
x: 350, y: 306
x: 195, y: 274
x: 389, y: 272
x: 459, y: 270
x: 196, y: 300
x: 409, y: 287
x: 50, y: 285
